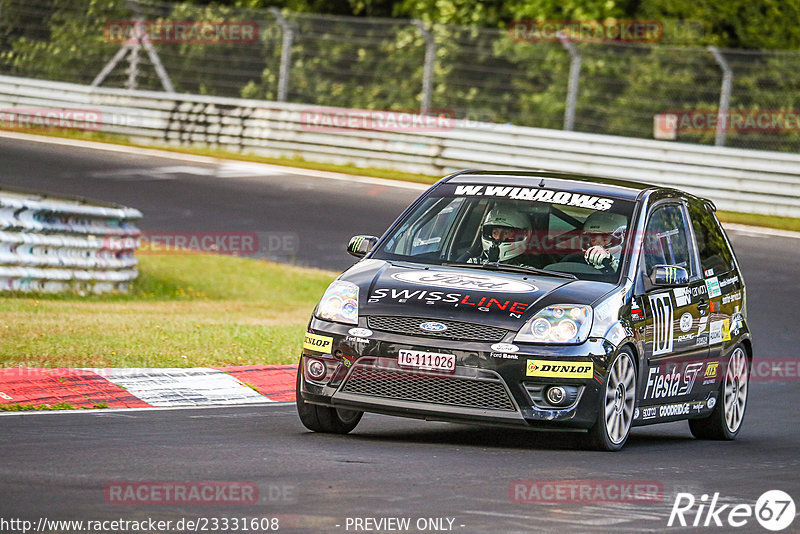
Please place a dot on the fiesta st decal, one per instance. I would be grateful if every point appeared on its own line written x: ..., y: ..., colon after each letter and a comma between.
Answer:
x: 671, y: 383
x: 536, y: 195
x: 477, y: 282
x: 317, y: 343
x: 555, y: 369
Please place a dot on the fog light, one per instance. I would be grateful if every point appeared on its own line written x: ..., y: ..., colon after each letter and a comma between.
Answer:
x: 315, y: 369
x: 556, y: 395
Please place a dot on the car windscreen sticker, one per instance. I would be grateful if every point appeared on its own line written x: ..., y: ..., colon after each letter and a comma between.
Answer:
x: 477, y: 282
x: 533, y: 194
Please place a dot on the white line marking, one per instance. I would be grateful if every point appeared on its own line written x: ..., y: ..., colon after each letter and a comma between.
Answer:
x: 109, y: 411
x: 182, y: 386
x: 267, y: 168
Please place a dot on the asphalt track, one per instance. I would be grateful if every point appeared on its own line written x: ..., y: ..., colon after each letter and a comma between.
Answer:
x: 56, y: 465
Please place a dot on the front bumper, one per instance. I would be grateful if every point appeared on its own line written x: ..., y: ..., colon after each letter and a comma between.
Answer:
x: 486, y: 387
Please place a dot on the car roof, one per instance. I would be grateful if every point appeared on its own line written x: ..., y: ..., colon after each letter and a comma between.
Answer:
x: 622, y: 189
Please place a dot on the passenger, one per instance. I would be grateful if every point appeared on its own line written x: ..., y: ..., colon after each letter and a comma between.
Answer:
x: 604, y: 233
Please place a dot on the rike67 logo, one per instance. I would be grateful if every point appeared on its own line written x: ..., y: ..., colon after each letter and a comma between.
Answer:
x: 774, y: 510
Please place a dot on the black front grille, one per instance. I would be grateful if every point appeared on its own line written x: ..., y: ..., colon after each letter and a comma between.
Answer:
x: 482, y: 393
x: 409, y: 326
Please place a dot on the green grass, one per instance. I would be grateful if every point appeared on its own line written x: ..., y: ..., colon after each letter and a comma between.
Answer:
x: 768, y: 221
x: 184, y: 310
x: 47, y: 407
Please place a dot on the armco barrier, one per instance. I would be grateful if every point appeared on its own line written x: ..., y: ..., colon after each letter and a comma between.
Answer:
x: 735, y: 179
x: 56, y: 244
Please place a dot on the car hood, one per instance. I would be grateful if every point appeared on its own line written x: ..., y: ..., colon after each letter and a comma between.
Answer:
x: 493, y: 298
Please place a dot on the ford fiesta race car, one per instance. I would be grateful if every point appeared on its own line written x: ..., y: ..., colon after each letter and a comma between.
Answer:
x: 539, y: 300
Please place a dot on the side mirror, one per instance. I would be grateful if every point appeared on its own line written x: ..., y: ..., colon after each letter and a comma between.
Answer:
x: 360, y: 245
x: 668, y: 276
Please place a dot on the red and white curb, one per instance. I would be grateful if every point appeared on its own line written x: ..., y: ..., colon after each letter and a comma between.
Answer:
x: 148, y: 387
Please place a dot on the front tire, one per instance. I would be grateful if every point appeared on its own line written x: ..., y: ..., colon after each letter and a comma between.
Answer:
x: 726, y: 419
x: 614, y: 418
x: 323, y: 418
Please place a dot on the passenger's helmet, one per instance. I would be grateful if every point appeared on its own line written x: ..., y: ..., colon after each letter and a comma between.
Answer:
x: 605, y: 229
x: 505, y: 234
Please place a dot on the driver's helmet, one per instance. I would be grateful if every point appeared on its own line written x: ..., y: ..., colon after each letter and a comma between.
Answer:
x: 504, y: 234
x: 604, y: 229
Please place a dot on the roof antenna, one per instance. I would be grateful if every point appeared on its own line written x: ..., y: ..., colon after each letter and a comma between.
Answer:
x: 541, y: 183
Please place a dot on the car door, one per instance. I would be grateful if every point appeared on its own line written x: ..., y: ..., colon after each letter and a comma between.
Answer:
x: 674, y: 318
x: 724, y: 290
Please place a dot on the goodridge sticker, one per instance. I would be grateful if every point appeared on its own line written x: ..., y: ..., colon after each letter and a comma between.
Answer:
x: 555, y: 369
x: 317, y: 343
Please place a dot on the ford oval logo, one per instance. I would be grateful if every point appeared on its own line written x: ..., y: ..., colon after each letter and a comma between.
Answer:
x: 360, y: 332
x: 433, y: 327
x: 504, y: 347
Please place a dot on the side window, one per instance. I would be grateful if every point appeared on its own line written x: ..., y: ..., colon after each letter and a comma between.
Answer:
x: 666, y: 239
x: 429, y: 237
x: 711, y: 244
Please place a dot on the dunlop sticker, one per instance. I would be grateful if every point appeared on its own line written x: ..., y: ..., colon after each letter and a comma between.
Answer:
x: 317, y: 343
x: 557, y: 369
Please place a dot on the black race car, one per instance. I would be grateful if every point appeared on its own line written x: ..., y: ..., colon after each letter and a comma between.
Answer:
x: 540, y: 300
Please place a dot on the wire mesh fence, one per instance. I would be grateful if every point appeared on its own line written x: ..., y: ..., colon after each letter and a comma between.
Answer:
x: 484, y: 74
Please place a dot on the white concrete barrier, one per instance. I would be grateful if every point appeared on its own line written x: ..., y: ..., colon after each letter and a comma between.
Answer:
x: 53, y: 244
x: 735, y: 179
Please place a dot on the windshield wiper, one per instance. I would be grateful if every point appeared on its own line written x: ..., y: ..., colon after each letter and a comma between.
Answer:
x: 496, y: 266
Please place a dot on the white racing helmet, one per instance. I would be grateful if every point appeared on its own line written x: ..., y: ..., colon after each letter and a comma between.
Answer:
x: 610, y: 226
x: 513, y: 240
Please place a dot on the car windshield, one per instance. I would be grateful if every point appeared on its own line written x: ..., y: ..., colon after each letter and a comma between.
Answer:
x: 499, y: 226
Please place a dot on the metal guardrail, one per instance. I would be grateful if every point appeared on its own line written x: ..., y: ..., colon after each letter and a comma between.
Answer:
x: 735, y: 179
x: 53, y: 244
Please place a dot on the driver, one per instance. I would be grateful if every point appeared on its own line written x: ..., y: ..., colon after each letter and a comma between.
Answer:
x: 504, y: 236
x: 604, y: 233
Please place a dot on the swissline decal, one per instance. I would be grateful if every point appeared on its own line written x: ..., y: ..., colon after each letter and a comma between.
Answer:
x: 464, y: 300
x: 536, y: 194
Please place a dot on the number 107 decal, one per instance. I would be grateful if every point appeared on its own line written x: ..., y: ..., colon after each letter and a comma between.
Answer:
x: 662, y: 323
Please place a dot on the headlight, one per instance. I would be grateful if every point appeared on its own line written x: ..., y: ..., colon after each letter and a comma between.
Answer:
x: 564, y: 323
x: 339, y: 303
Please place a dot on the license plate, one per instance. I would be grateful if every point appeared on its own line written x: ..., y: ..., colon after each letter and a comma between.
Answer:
x: 430, y: 361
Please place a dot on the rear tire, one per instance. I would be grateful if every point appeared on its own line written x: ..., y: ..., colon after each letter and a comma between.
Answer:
x: 726, y: 419
x: 614, y: 418
x: 323, y: 418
